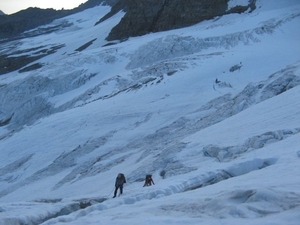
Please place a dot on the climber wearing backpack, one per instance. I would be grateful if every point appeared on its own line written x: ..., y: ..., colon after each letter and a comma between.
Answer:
x: 148, y: 180
x: 120, y: 180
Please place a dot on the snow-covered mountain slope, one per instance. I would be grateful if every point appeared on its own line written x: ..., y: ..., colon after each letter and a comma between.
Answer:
x: 211, y: 111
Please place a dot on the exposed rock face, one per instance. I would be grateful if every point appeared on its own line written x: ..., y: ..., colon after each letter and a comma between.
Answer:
x: 147, y: 16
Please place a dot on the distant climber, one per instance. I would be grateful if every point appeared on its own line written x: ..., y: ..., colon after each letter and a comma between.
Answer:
x: 148, y: 180
x: 120, y: 180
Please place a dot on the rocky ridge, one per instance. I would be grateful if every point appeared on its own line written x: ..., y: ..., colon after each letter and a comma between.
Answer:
x: 143, y: 17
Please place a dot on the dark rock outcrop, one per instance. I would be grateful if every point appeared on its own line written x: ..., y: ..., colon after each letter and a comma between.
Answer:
x: 148, y: 16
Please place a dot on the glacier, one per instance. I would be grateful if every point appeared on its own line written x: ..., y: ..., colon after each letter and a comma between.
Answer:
x: 210, y: 110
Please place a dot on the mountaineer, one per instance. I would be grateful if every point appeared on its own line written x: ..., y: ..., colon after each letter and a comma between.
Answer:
x: 120, y: 180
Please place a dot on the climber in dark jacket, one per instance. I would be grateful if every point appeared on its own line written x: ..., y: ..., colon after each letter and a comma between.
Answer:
x: 148, y: 180
x: 120, y: 180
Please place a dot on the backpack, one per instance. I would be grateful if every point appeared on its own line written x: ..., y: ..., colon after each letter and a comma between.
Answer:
x: 123, y: 176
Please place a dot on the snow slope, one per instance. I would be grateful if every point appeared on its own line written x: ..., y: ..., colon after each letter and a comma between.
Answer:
x: 211, y: 111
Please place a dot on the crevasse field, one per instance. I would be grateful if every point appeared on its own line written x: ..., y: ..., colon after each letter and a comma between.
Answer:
x: 212, y: 111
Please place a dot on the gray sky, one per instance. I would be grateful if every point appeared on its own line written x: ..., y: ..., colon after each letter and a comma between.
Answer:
x: 12, y: 6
